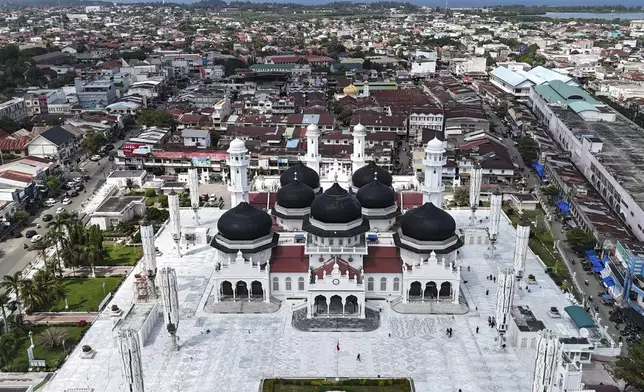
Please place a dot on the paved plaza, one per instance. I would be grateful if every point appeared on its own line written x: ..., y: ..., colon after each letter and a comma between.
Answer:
x: 233, y: 352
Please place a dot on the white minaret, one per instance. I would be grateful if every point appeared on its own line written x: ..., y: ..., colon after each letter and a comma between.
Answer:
x: 433, y: 162
x: 238, y: 161
x: 521, y: 247
x: 496, y: 204
x: 132, y: 365
x: 475, y: 190
x: 170, y: 296
x: 546, y: 362
x: 359, y: 136
x: 504, y: 295
x: 312, y: 150
x: 175, y: 219
x: 149, y: 253
x: 193, y: 185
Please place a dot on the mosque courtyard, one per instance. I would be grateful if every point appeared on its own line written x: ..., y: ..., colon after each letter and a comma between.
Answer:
x: 234, y: 352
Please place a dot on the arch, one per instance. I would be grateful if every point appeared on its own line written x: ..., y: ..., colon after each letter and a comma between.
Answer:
x: 351, y: 306
x: 276, y: 284
x: 445, y: 291
x: 287, y: 284
x: 533, y: 343
x: 300, y: 283
x: 335, y: 305
x: 383, y: 284
x: 396, y: 284
x: 415, y: 289
x: 226, y: 290
x: 370, y: 284
x: 524, y: 342
x: 479, y: 240
x: 256, y: 289
x: 241, y: 289
x: 470, y: 240
x: 320, y: 305
x: 431, y: 291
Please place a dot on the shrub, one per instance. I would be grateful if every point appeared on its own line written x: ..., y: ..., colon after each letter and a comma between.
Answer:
x: 163, y: 201
x: 149, y: 202
x: 82, y: 323
x: 115, y: 308
x: 53, y: 337
x: 149, y: 192
x: 87, y: 348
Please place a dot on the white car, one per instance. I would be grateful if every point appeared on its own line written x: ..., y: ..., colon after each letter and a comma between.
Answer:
x: 60, y: 210
x: 50, y: 202
x: 95, y: 158
x: 36, y: 238
x: 67, y: 200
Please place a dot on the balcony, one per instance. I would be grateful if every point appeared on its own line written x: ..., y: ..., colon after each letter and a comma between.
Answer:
x: 313, y: 249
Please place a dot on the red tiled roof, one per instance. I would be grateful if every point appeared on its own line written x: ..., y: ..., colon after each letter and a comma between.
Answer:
x: 342, y: 265
x: 410, y: 199
x: 258, y: 199
x: 289, y: 259
x: 214, y: 155
x: 12, y: 143
x: 382, y: 259
x: 15, y: 176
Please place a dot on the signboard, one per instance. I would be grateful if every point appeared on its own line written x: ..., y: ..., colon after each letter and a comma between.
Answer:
x: 201, y: 162
x: 37, y: 363
x: 522, y: 48
x: 136, y: 149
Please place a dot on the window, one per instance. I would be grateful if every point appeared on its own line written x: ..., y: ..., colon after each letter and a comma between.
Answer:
x: 383, y: 284
x: 370, y: 284
x: 276, y: 284
x: 288, y: 284
x: 396, y: 284
x: 300, y: 284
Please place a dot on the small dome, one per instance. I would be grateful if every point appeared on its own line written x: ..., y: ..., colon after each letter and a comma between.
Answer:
x: 336, y: 205
x: 376, y: 195
x: 305, y: 175
x: 428, y: 223
x: 244, y: 223
x: 351, y: 90
x: 312, y: 128
x: 359, y: 128
x: 366, y: 174
x: 237, y: 146
x: 435, y: 144
x: 295, y: 195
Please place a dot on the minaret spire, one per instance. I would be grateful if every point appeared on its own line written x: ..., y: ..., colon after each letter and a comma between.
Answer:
x: 475, y: 190
x: 496, y: 204
x: 312, y: 141
x: 521, y: 247
x: 359, y: 137
x: 433, y: 163
x: 238, y: 161
x: 504, y: 296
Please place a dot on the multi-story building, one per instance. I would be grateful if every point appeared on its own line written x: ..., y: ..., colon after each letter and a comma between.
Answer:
x: 95, y: 94
x: 39, y: 102
x: 14, y: 109
x: 426, y: 117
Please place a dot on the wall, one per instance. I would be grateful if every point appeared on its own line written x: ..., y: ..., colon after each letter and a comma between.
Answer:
x: 282, y: 293
x: 389, y: 292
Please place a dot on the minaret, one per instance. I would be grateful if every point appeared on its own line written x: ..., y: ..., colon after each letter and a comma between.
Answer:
x: 175, y: 219
x: 521, y: 247
x: 193, y: 185
x: 433, y: 162
x: 496, y: 204
x: 312, y: 140
x: 170, y: 297
x: 149, y: 252
x: 357, y: 158
x: 132, y: 365
x: 238, y: 161
x: 546, y: 362
x: 504, y: 296
x: 475, y: 190
x: 365, y: 88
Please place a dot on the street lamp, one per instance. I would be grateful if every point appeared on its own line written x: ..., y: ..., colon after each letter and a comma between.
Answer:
x: 176, y: 237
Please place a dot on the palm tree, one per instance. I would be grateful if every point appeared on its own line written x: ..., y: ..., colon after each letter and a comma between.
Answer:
x: 12, y: 283
x: 129, y: 184
x: 31, y: 295
x: 4, y: 302
x: 57, y: 234
x: 93, y: 255
x: 8, y: 345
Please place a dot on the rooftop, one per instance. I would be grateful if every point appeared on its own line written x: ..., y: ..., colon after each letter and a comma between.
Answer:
x: 118, y: 204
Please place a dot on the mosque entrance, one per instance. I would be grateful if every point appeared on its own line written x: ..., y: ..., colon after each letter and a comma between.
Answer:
x: 431, y: 292
x: 415, y: 291
x: 320, y: 306
x: 445, y: 291
x: 241, y: 290
x: 335, y: 305
x: 256, y: 290
x: 226, y: 291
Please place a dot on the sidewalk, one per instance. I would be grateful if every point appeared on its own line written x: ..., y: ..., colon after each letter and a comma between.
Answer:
x: 85, y: 272
x: 60, y: 318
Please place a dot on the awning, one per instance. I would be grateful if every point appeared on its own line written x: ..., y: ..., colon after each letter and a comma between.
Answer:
x: 598, y: 269
x: 608, y: 281
x: 372, y: 237
x: 299, y: 236
x: 606, y: 296
x: 580, y: 317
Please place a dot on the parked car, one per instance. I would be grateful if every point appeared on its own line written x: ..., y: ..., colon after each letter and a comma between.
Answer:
x: 74, y: 193
x: 47, y: 217
x: 30, y: 233
x: 95, y: 158
x: 79, y: 187
x: 36, y: 238
x: 50, y: 202
x: 60, y: 210
x: 67, y: 200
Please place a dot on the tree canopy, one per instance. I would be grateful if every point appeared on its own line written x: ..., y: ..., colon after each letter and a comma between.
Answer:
x: 156, y: 118
x: 631, y: 368
x: 579, y: 240
x: 528, y: 149
x: 93, y: 141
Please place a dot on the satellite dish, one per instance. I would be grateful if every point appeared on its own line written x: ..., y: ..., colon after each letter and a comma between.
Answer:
x: 584, y: 332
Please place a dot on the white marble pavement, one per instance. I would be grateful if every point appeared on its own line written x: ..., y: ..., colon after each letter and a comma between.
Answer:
x: 239, y: 350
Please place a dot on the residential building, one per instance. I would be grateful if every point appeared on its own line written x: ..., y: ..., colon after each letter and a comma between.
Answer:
x: 56, y: 143
x: 425, y: 117
x: 14, y: 109
x: 95, y: 94
x: 117, y: 209
x: 199, y: 138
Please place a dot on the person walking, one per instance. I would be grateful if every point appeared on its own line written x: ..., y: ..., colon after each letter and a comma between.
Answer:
x: 358, y: 358
x: 477, y: 329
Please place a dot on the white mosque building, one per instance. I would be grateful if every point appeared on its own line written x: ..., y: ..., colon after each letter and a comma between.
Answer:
x: 322, y: 239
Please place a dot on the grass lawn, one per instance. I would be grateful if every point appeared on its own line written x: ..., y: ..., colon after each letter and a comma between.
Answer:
x: 52, y: 356
x: 85, y: 294
x: 122, y: 255
x: 356, y: 385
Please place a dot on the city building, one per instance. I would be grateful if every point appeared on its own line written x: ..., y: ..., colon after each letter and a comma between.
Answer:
x: 95, y: 94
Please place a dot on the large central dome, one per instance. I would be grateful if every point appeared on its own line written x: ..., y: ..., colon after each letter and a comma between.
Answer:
x: 366, y: 173
x: 295, y: 195
x: 244, y: 223
x: 336, y: 205
x: 304, y: 174
x: 428, y: 223
x: 376, y: 195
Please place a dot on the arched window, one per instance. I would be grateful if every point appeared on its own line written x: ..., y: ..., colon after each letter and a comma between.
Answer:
x: 383, y: 284
x: 396, y: 284
x: 276, y: 284
x: 300, y: 284
x: 288, y: 284
x: 524, y: 343
x: 533, y: 343
x: 370, y: 284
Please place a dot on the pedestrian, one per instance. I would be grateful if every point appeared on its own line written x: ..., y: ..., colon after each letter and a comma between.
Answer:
x: 447, y: 331
x: 468, y: 268
x: 389, y: 335
x: 487, y: 292
x: 477, y: 329
x: 494, y: 277
x: 359, y: 358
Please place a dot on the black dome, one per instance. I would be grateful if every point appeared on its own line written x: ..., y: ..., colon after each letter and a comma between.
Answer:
x: 428, y: 223
x: 244, y: 223
x: 336, y: 205
x: 305, y: 174
x: 295, y: 195
x: 365, y: 175
x: 376, y: 195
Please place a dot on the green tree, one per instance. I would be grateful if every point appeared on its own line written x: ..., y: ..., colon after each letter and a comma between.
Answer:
x: 5, y: 300
x: 129, y: 184
x: 461, y: 196
x: 550, y: 190
x: 631, y: 368
x: 8, y: 346
x: 57, y: 236
x: 31, y: 295
x: 156, y: 118
x: 156, y: 215
x: 12, y: 283
x: 52, y: 183
x: 93, y: 141
x: 19, y: 217
x: 53, y: 337
x: 579, y: 240
x: 528, y: 149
